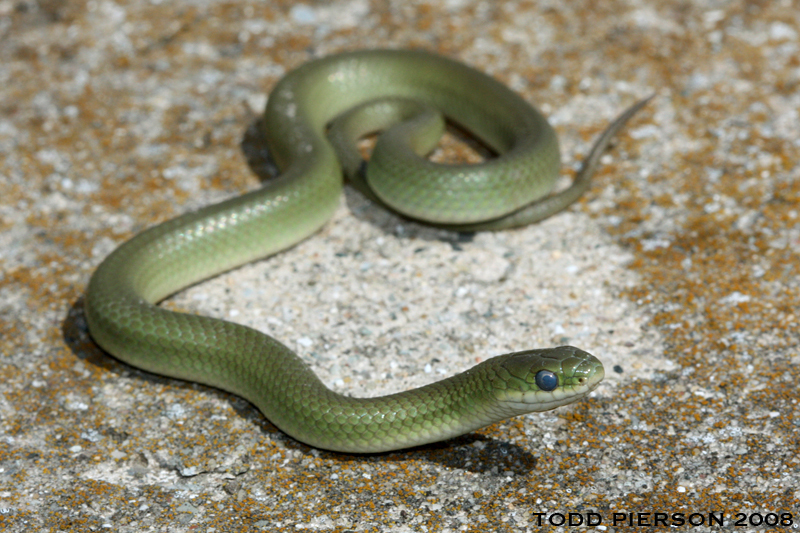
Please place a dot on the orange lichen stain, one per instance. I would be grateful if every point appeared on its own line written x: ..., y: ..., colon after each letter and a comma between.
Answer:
x: 13, y: 338
x: 16, y: 517
x: 231, y: 175
x: 297, y: 42
x: 425, y: 17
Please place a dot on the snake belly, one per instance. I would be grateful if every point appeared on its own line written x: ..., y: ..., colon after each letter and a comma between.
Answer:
x: 121, y: 301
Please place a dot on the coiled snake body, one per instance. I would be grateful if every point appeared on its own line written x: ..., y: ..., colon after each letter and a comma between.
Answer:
x: 383, y: 87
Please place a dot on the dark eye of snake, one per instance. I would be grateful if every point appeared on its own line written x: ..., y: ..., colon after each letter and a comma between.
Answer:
x: 546, y: 380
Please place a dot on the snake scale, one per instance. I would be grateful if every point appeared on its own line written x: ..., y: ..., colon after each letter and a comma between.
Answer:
x: 408, y: 94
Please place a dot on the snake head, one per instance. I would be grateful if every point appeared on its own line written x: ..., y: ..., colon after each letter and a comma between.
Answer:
x: 540, y: 380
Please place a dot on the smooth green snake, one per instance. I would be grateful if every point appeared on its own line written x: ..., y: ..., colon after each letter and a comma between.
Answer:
x: 407, y: 92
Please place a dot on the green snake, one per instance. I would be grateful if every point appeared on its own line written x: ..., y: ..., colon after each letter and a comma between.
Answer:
x: 407, y: 94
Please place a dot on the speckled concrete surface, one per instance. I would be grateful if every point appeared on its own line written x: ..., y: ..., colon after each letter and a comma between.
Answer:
x: 679, y: 269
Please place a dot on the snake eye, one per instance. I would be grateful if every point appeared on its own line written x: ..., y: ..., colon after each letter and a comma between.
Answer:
x: 546, y: 380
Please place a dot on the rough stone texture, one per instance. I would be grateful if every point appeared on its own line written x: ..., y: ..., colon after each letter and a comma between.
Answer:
x: 679, y: 269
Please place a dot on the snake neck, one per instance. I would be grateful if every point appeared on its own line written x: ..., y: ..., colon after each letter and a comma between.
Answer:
x: 306, y: 409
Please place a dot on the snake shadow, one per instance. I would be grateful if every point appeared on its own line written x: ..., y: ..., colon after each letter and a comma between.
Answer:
x: 473, y: 452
